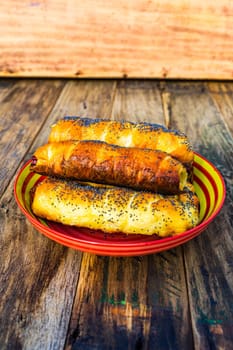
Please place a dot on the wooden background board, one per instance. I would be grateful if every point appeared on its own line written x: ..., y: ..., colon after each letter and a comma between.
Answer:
x: 100, y: 38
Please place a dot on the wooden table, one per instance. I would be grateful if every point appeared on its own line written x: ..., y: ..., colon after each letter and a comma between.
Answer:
x: 53, y: 297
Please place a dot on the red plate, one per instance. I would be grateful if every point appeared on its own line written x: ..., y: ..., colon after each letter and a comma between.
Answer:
x: 209, y: 186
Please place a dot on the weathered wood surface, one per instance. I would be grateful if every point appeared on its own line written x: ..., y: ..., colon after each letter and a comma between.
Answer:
x: 53, y: 297
x: 24, y: 108
x: 134, y: 38
x: 208, y: 259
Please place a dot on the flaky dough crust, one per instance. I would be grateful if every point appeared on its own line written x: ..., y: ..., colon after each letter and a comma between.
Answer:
x: 126, y: 134
x: 113, y: 209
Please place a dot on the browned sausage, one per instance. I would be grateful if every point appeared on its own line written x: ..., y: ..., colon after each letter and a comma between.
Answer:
x: 99, y: 162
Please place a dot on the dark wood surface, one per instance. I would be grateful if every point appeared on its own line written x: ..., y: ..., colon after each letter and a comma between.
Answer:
x: 53, y: 297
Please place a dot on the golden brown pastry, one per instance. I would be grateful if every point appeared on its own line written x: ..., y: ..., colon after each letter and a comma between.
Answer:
x: 126, y: 134
x: 114, y: 209
x: 96, y: 161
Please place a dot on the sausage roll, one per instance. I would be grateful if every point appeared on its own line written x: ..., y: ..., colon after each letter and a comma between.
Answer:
x: 123, y: 133
x: 114, y: 209
x: 99, y: 162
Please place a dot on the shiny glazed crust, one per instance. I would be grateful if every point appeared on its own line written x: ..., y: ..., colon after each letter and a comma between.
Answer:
x: 99, y: 162
x: 123, y: 133
x: 113, y: 209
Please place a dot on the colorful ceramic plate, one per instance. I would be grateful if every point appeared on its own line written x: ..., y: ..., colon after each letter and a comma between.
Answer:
x: 209, y: 186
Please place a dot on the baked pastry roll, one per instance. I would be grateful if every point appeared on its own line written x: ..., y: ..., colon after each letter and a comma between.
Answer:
x: 99, y: 162
x: 114, y: 209
x: 126, y: 134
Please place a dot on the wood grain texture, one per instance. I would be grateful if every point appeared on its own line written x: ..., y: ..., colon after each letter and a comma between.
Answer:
x: 131, y: 303
x: 93, y: 99
x: 138, y: 101
x: 37, y: 276
x: 208, y: 257
x: 38, y: 281
x: 24, y: 107
x: 222, y: 94
x: 5, y: 87
x: 161, y: 39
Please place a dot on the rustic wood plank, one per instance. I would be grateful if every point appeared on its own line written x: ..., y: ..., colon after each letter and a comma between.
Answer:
x: 26, y: 277
x: 37, y: 283
x: 5, y: 86
x: 161, y: 39
x: 24, y: 108
x: 139, y: 101
x: 38, y: 277
x: 222, y: 94
x: 132, y: 303
x: 83, y: 98
x: 208, y: 258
